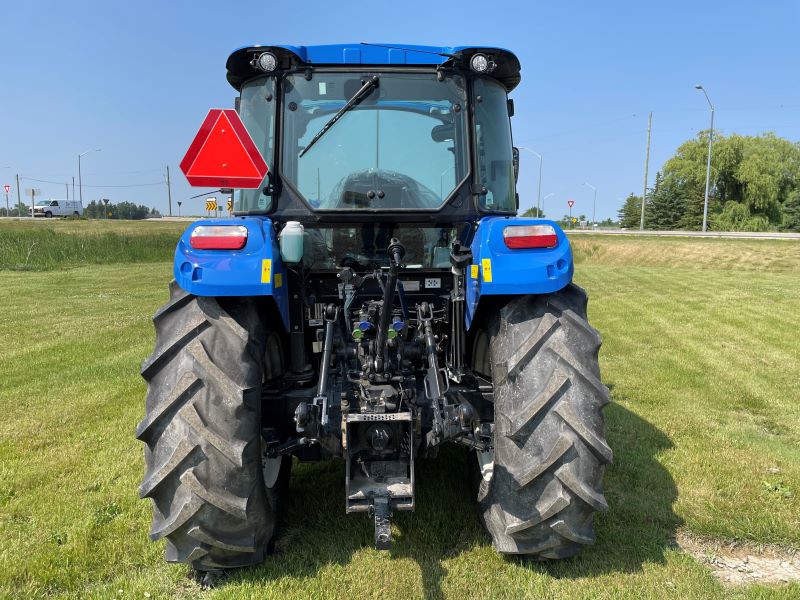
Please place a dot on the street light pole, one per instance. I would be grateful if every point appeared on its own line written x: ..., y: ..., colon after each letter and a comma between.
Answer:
x: 594, y: 202
x: 169, y: 192
x: 80, y: 181
x: 541, y: 211
x: 539, y: 192
x: 708, y: 165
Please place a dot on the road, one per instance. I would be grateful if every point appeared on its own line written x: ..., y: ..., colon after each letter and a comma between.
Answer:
x: 749, y: 235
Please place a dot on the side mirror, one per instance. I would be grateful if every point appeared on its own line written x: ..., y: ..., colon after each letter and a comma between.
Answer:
x: 443, y: 133
x: 515, y: 161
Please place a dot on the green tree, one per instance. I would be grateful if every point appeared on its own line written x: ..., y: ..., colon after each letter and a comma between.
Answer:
x: 759, y: 172
x: 665, y: 205
x: 686, y: 172
x: 129, y: 210
x: 736, y: 216
x: 791, y: 211
x: 531, y: 212
x: 630, y: 212
x: 92, y: 210
x: 16, y: 211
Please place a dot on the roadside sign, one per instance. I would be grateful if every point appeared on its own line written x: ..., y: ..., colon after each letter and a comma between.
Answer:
x: 211, y: 204
x: 223, y: 154
x: 570, y: 203
x: 33, y: 192
x: 7, y: 188
x: 230, y: 204
x: 574, y: 220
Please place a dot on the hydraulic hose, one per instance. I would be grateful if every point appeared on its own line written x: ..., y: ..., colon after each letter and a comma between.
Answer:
x: 396, y: 253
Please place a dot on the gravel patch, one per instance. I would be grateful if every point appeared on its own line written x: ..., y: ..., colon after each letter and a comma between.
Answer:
x: 741, y: 564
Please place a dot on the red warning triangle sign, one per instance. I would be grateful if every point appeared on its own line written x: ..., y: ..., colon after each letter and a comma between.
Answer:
x: 223, y: 154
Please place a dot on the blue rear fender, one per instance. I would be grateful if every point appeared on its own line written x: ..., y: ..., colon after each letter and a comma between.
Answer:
x: 497, y: 270
x: 255, y: 270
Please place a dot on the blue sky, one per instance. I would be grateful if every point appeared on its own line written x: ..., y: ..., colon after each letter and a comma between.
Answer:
x: 136, y: 79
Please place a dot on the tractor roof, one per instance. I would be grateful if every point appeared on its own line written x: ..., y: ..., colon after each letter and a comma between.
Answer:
x: 240, y: 68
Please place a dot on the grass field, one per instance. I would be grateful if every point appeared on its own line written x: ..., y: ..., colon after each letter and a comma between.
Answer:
x: 701, y: 352
x: 44, y: 245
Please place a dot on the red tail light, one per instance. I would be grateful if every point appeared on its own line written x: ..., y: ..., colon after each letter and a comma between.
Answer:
x: 518, y: 237
x: 218, y: 237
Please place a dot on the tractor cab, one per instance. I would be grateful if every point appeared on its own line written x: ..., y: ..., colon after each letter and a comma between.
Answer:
x: 393, y: 136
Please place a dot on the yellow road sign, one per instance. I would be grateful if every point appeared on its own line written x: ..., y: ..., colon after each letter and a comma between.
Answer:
x: 211, y: 204
x: 230, y: 204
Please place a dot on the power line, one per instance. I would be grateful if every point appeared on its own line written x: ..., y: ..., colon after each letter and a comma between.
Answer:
x: 130, y: 185
x: 586, y: 128
x: 158, y: 170
x: 637, y: 114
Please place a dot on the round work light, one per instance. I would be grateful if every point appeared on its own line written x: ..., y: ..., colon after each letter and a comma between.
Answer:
x: 267, y: 62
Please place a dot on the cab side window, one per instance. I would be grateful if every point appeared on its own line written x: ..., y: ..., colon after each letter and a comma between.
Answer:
x: 494, y: 146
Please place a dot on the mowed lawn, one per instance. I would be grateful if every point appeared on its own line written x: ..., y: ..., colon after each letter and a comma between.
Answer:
x: 701, y: 352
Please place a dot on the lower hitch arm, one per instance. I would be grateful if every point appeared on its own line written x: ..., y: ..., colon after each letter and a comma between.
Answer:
x: 314, y: 418
x: 321, y: 399
x: 434, y: 389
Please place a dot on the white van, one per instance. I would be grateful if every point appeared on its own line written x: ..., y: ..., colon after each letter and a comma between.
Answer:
x: 57, y: 208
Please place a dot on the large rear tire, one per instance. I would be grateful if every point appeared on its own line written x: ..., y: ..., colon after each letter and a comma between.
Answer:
x: 202, y: 430
x: 541, y: 485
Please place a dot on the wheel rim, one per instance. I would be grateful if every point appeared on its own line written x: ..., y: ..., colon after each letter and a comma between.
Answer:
x: 270, y: 467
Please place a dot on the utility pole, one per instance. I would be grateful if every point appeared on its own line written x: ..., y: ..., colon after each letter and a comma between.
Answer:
x: 19, y: 198
x: 646, y: 167
x: 541, y: 208
x: 66, y: 185
x: 708, y: 166
x: 80, y: 181
x: 73, y: 187
x: 169, y: 193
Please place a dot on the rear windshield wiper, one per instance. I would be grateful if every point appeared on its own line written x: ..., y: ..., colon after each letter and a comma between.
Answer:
x: 362, y: 93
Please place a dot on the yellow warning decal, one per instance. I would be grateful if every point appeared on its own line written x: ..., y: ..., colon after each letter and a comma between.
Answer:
x: 473, y: 271
x: 266, y: 270
x: 278, y: 280
x: 486, y: 263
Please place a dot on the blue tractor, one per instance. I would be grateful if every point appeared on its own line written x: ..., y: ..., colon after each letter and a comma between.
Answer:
x: 375, y: 297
